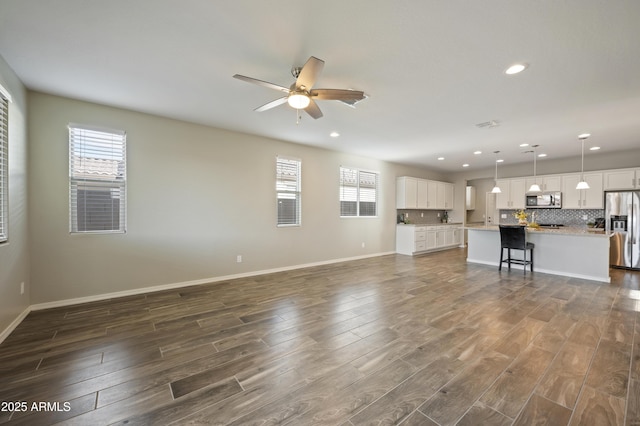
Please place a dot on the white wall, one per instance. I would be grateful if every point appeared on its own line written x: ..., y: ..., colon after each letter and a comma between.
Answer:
x: 14, y: 255
x: 197, y: 198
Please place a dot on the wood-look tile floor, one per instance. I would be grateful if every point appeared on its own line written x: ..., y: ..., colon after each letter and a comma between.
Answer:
x: 426, y: 340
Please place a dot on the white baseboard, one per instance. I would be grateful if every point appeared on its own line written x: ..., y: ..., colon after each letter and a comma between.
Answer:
x: 143, y: 290
x: 16, y: 322
x: 606, y: 279
x: 105, y: 296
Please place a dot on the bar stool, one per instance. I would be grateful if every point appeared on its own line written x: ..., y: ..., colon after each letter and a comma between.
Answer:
x: 515, y: 238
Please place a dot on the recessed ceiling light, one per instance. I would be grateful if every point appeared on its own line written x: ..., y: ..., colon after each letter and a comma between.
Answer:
x: 584, y: 135
x: 500, y: 160
x: 477, y: 152
x: 334, y: 134
x: 594, y: 148
x: 440, y: 158
x: 515, y: 69
x: 465, y: 165
x: 542, y: 155
x: 522, y: 145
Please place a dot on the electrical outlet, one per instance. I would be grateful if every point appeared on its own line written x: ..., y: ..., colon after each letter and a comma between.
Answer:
x: 363, y: 245
x: 22, y: 287
x: 239, y: 258
x: 503, y: 216
x: 421, y: 214
x: 585, y: 217
x: 438, y: 214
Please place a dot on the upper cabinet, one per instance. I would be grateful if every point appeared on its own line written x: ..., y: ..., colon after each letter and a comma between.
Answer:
x: 512, y: 195
x: 432, y: 194
x: 546, y: 183
x: 622, y: 179
x: 592, y: 198
x: 470, y: 201
x: 444, y: 197
x: 406, y: 193
x: 423, y: 194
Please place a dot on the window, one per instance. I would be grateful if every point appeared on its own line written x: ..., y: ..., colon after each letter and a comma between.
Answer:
x: 4, y: 166
x: 97, y: 180
x: 358, y: 192
x: 288, y: 191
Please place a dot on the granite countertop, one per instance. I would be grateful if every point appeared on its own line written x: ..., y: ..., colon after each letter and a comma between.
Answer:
x: 430, y: 224
x: 565, y: 230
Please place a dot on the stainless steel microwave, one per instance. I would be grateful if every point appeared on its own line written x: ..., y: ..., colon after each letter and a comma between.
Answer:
x: 544, y: 200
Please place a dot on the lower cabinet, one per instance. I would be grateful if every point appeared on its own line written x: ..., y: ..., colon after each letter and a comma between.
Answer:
x: 414, y: 239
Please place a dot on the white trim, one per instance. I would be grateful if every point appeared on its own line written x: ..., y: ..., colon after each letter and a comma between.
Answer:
x: 544, y: 271
x: 15, y: 323
x: 78, y: 300
x: 152, y: 289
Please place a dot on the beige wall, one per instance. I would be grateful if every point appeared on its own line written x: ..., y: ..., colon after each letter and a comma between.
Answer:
x: 14, y: 255
x: 197, y: 198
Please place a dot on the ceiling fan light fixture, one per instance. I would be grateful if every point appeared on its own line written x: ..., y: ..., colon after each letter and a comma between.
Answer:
x: 298, y: 100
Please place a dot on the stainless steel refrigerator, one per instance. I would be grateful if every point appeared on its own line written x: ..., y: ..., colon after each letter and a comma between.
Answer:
x: 622, y: 218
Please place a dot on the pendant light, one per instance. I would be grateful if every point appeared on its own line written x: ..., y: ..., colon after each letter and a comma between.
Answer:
x: 496, y: 188
x: 534, y: 187
x: 582, y: 184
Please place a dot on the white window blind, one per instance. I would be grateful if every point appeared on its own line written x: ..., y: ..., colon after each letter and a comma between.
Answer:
x: 288, y: 178
x: 4, y: 168
x: 358, y: 192
x: 97, y: 180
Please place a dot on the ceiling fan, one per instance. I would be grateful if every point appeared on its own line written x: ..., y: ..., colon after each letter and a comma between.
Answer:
x: 300, y: 94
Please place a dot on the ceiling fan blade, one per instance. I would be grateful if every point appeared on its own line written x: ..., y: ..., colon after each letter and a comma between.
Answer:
x: 309, y: 73
x: 272, y: 104
x: 337, y: 94
x: 313, y: 110
x: 261, y: 83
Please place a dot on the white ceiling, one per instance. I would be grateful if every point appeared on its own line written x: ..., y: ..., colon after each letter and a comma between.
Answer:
x: 433, y: 69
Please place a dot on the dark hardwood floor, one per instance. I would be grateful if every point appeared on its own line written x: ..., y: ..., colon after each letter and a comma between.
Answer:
x: 427, y: 340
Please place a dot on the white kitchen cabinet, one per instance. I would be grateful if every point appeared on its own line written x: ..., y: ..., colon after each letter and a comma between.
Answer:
x: 432, y: 241
x: 423, y: 194
x: 470, y: 198
x: 432, y: 194
x: 457, y: 236
x: 512, y: 195
x: 441, y: 237
x: 592, y: 198
x: 547, y: 183
x: 452, y: 236
x: 621, y: 179
x: 445, y: 196
x: 410, y: 239
x: 406, y: 192
x: 415, y: 239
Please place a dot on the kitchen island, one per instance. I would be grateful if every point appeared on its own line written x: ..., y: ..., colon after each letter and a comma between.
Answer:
x: 568, y: 251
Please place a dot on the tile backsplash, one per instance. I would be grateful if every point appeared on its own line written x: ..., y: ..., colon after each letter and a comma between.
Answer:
x: 422, y: 216
x: 567, y: 217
